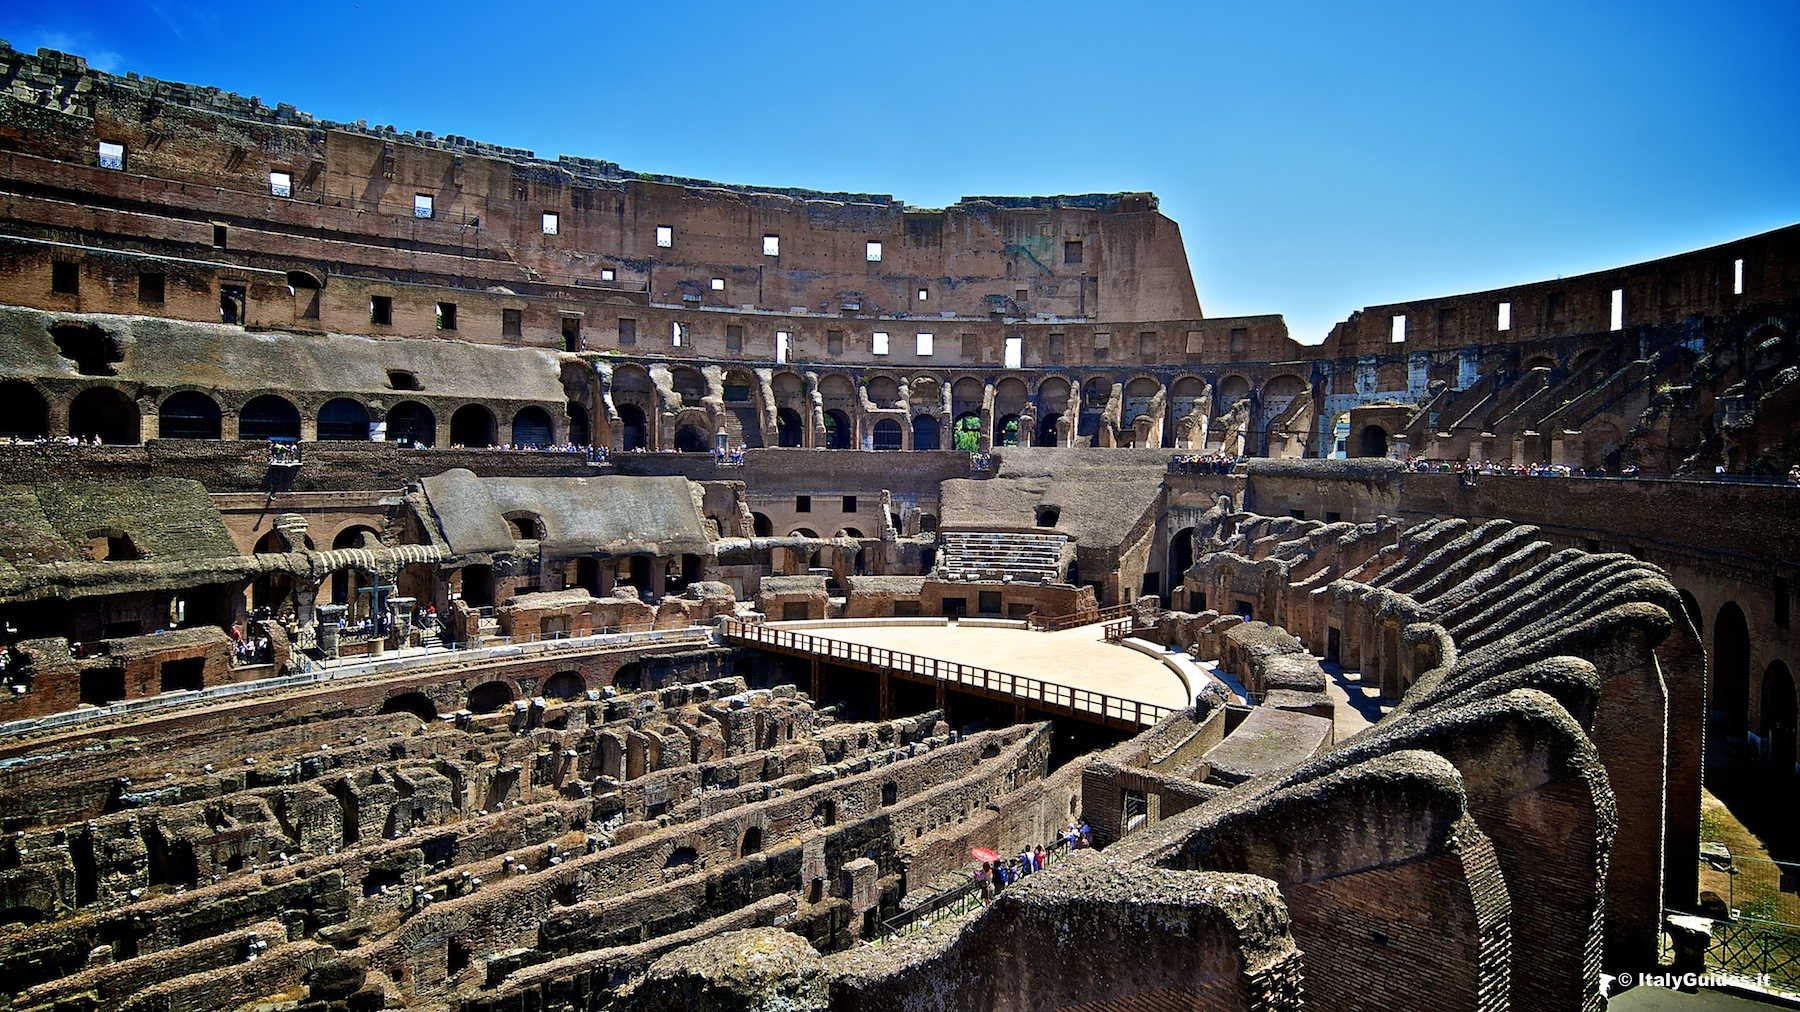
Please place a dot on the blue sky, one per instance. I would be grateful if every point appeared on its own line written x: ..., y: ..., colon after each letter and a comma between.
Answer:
x: 1319, y: 157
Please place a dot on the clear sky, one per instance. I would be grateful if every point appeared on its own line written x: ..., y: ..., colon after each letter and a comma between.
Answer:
x: 1319, y: 156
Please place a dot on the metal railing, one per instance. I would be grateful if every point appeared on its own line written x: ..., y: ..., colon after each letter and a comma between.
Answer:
x: 1069, y: 620
x: 1045, y: 693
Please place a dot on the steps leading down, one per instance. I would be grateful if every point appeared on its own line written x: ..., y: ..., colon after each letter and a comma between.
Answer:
x: 997, y: 555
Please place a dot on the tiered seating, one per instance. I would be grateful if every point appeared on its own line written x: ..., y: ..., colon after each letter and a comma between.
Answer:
x: 1000, y: 555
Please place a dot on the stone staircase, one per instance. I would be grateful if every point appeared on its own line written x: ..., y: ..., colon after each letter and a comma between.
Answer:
x: 991, y: 556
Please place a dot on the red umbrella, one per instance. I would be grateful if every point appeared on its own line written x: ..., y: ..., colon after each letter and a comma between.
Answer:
x: 983, y: 854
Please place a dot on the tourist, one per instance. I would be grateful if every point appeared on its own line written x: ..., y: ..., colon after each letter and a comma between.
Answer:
x: 986, y: 877
x: 1037, y: 858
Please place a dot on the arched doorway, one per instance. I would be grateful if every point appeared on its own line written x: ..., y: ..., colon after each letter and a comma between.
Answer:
x: 752, y: 842
x: 564, y: 685
x: 1007, y: 432
x: 189, y: 414
x: 761, y: 526
x: 965, y: 433
x: 1181, y: 556
x: 1373, y: 443
x: 531, y: 427
x: 105, y: 412
x: 412, y: 424
x: 787, y: 427
x: 1731, y: 668
x: 925, y: 432
x: 416, y: 703
x: 489, y: 696
x: 587, y: 574
x: 24, y: 414
x: 691, y: 439
x: 887, y: 434
x: 1046, y: 430
x: 579, y: 433
x: 269, y: 417
x: 838, y: 435
x: 472, y: 425
x: 634, y: 434
x: 344, y: 420
x: 1778, y: 716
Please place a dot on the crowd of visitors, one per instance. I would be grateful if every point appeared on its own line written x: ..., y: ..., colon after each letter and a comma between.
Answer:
x: 50, y: 441
x: 979, y: 461
x: 249, y: 649
x: 1425, y: 465
x: 733, y: 457
x: 1211, y: 463
x: 997, y: 875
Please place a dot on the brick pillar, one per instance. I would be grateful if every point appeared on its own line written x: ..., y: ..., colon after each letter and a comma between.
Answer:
x: 1630, y: 730
x: 1682, y: 660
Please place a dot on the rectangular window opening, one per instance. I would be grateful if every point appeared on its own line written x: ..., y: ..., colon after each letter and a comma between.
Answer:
x: 281, y: 184
x: 1072, y: 251
x: 924, y: 344
x: 1397, y: 328
x: 803, y: 504
x: 872, y: 250
x: 422, y: 205
x: 665, y: 236
x: 878, y: 342
x: 446, y: 316
x: 65, y: 277
x: 571, y: 333
x: 381, y: 310
x: 1102, y: 346
x: 734, y: 337
x: 1618, y: 309
x: 1737, y: 277
x: 627, y: 331
x: 849, y: 504
x: 1055, y: 350
x: 552, y: 223
x: 676, y: 333
x: 834, y: 342
x: 924, y: 294
x: 512, y: 322
x: 1504, y: 322
x: 771, y: 245
x: 1015, y: 352
x: 606, y: 274
x: 218, y: 236
x: 150, y: 288
x: 110, y: 155
x: 783, y: 341
x: 718, y: 284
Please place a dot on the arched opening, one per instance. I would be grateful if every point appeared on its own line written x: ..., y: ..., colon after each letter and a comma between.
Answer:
x: 1778, y: 716
x: 526, y: 525
x: 531, y: 427
x: 1373, y: 442
x: 344, y: 420
x: 106, y: 413
x: 1540, y: 362
x: 803, y: 532
x: 752, y: 843
x: 965, y: 432
x: 580, y: 434
x: 489, y: 697
x: 587, y: 574
x: 24, y: 414
x: 269, y: 417
x: 925, y: 432
x: 411, y: 424
x: 416, y: 703
x: 1731, y: 668
x: 1181, y: 555
x: 109, y: 544
x: 629, y: 677
x: 928, y: 523
x: 1047, y: 516
x: 890, y: 794
x: 1046, y: 430
x: 472, y: 425
x: 761, y: 526
x: 837, y: 430
x: 787, y: 427
x: 634, y: 432
x: 478, y: 585
x: 849, y: 532
x: 681, y: 857
x: 189, y: 414
x: 1008, y: 430
x: 887, y: 435
x: 691, y: 439
x: 565, y: 685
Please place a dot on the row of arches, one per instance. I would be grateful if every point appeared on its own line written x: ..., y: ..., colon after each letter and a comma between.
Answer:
x: 1777, y: 714
x: 110, y: 415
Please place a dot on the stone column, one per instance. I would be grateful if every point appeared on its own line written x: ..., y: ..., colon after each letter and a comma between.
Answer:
x: 328, y: 629
x: 400, y: 632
